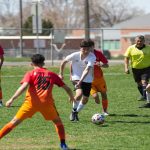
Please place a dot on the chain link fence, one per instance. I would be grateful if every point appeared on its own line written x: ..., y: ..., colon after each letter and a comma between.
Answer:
x: 61, y: 42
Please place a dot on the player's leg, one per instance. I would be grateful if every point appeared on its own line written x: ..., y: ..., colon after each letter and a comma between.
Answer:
x: 9, y: 126
x: 77, y: 97
x: 50, y: 113
x: 94, y: 92
x: 26, y: 111
x: 61, y: 133
x: 86, y: 88
x: 104, y: 103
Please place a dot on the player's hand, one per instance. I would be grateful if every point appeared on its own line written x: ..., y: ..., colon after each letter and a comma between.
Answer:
x: 61, y: 76
x: 71, y: 99
x: 9, y: 103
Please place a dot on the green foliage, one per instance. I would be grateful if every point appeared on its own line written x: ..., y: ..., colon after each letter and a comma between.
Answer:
x: 127, y: 127
x: 46, y: 27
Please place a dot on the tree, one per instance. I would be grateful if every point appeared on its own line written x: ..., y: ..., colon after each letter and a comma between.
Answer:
x: 107, y: 13
x: 46, y: 26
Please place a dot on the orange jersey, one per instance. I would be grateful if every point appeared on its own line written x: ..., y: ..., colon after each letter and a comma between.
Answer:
x: 41, y: 82
x: 98, y: 73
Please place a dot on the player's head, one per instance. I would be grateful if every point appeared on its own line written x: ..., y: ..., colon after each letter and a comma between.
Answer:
x: 92, y: 44
x: 38, y: 59
x: 85, y: 47
x: 140, y: 41
x: 84, y: 43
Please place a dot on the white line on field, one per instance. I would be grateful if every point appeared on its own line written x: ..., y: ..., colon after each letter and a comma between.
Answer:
x: 107, y: 74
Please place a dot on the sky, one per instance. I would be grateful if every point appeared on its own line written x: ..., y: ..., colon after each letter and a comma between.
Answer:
x: 143, y: 4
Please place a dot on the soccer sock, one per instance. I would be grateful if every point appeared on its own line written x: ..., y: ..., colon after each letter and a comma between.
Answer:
x: 61, y: 132
x: 144, y: 91
x: 140, y: 89
x: 104, y: 105
x: 6, y: 129
x: 148, y: 97
x: 75, y: 105
x: 80, y: 106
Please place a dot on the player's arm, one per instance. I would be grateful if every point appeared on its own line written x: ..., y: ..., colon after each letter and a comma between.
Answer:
x: 126, y: 65
x: 19, y: 91
x: 61, y: 70
x: 84, y: 74
x: 69, y: 92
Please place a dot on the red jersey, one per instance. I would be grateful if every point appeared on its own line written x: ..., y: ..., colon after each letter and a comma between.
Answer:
x: 99, y: 58
x: 1, y: 51
x: 41, y: 82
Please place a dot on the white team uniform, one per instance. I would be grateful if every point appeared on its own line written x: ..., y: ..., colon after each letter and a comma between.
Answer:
x: 79, y: 65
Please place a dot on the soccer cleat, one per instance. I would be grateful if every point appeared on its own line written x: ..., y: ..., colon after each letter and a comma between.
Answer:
x: 1, y: 104
x: 63, y: 146
x: 72, y: 116
x: 147, y: 105
x: 105, y: 114
x: 76, y: 116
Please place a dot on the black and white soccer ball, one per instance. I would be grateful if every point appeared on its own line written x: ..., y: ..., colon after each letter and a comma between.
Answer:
x: 98, y: 118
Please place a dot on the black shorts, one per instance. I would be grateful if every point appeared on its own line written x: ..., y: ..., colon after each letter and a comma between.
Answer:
x: 141, y: 74
x: 86, y: 88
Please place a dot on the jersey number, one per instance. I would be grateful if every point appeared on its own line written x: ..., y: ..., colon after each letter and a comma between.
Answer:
x: 43, y: 83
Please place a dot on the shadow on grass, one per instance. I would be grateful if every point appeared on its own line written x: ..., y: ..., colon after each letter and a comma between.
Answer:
x: 128, y: 115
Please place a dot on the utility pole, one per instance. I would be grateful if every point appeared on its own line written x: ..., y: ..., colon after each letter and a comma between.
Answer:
x: 87, y: 23
x: 21, y: 33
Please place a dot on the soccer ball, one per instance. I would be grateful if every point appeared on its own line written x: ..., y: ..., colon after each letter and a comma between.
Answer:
x: 98, y: 118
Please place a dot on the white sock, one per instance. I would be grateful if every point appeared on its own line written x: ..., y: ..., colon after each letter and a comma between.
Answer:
x: 148, y: 97
x: 80, y: 106
x: 75, y: 104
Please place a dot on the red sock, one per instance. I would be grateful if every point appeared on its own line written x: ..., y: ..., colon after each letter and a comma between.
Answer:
x: 0, y: 94
x: 61, y: 131
x: 6, y: 129
x: 105, y: 105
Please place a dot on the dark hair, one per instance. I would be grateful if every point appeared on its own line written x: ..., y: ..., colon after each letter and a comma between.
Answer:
x: 91, y: 43
x: 84, y: 43
x: 38, y: 59
x: 141, y: 37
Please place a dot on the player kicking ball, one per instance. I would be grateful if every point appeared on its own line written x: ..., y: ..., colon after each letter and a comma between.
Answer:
x: 39, y: 83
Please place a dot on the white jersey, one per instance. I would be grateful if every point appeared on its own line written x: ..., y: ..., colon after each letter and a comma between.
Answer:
x: 78, y: 66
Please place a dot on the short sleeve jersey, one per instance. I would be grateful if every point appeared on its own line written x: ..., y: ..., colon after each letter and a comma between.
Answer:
x: 139, y: 58
x: 98, y: 73
x: 41, y: 82
x: 78, y: 66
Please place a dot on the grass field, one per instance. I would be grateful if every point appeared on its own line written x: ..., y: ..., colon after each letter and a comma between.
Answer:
x: 127, y: 127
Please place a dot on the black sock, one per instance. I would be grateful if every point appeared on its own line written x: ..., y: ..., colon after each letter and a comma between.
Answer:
x: 62, y: 141
x: 74, y: 109
x: 140, y: 88
x: 144, y: 91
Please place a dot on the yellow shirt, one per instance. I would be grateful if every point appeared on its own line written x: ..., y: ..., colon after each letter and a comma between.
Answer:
x: 139, y: 58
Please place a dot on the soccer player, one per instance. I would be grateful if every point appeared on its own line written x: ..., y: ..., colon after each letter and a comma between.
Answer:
x: 139, y: 54
x: 99, y: 84
x: 82, y: 63
x: 39, y: 84
x: 1, y: 63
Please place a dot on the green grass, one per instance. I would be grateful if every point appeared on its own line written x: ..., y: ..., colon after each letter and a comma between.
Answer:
x: 126, y: 128
x: 17, y: 59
